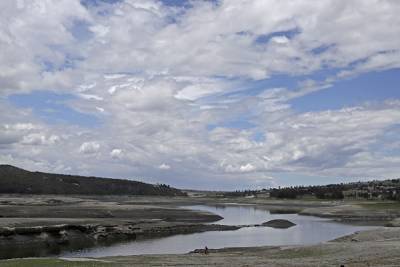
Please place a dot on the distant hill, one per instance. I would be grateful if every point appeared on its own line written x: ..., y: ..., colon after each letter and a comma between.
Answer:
x: 16, y: 180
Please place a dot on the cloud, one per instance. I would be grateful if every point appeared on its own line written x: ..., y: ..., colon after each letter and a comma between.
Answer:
x: 191, y: 86
x: 8, y: 138
x: 232, y: 49
x: 116, y: 153
x: 248, y: 167
x: 39, y: 139
x: 31, y: 58
x: 164, y: 167
x: 89, y: 147
x: 21, y: 126
x: 61, y: 59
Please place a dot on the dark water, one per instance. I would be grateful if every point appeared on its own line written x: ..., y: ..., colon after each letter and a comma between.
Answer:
x: 308, y: 230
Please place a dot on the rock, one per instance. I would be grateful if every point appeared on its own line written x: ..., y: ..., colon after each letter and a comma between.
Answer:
x: 197, y: 250
x: 201, y: 251
x: 63, y: 239
x: 7, y: 231
x: 393, y: 223
x: 279, y: 223
x: 28, y: 230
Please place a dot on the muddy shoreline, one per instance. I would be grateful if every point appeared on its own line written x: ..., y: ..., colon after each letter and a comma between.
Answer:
x: 43, y: 225
x: 38, y: 241
x: 378, y: 247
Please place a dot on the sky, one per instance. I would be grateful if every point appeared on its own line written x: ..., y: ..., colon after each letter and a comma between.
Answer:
x: 220, y: 95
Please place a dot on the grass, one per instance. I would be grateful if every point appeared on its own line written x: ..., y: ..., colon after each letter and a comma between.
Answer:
x: 381, y: 205
x: 47, y: 262
x: 300, y: 253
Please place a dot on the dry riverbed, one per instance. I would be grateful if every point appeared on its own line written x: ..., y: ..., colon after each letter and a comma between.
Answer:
x: 46, y: 225
x: 370, y: 248
x: 52, y: 223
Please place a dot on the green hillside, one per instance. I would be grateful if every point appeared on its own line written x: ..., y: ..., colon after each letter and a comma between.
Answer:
x: 16, y: 180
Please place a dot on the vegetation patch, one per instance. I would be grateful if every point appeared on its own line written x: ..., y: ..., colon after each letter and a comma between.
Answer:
x: 50, y: 263
x: 381, y: 205
x: 18, y: 181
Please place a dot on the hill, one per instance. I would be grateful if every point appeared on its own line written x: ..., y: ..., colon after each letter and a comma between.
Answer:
x: 16, y: 180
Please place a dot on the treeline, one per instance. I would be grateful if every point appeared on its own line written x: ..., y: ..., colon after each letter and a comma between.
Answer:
x: 334, y: 191
x: 239, y: 193
x: 386, y: 189
x: 322, y: 192
x: 16, y: 180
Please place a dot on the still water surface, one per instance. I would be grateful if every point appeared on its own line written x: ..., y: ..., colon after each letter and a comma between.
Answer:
x: 308, y: 230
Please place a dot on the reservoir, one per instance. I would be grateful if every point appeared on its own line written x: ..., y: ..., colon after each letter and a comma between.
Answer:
x: 307, y: 231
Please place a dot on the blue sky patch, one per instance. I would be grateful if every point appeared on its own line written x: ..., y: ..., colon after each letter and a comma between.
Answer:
x: 369, y: 87
x: 265, y: 38
x: 88, y: 3
x: 321, y: 49
x: 69, y: 63
x: 53, y: 108
x: 80, y: 30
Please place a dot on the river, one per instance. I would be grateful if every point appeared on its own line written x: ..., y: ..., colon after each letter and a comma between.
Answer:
x: 308, y: 230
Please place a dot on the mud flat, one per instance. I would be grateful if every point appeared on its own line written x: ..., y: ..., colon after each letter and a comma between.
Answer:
x: 376, y: 213
x: 32, y: 226
x: 373, y: 248
x: 43, y: 225
x: 370, y: 248
x: 16, y: 242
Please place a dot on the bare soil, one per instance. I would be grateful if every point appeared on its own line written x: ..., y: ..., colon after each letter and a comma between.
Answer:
x: 113, y: 215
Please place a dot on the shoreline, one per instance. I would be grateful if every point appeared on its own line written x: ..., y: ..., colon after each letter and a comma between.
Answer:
x: 378, y: 247
x: 153, y: 217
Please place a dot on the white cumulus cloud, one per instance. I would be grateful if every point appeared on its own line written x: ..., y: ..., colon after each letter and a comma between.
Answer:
x: 89, y: 147
x: 164, y: 166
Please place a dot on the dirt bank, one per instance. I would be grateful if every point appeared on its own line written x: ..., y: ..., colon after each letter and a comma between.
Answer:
x: 36, y: 241
x: 379, y: 213
x: 44, y: 225
x: 379, y: 247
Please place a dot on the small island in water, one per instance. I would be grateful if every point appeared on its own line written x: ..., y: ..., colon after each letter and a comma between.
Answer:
x: 279, y: 223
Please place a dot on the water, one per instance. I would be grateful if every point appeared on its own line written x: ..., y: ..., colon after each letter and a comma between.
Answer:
x: 308, y: 230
